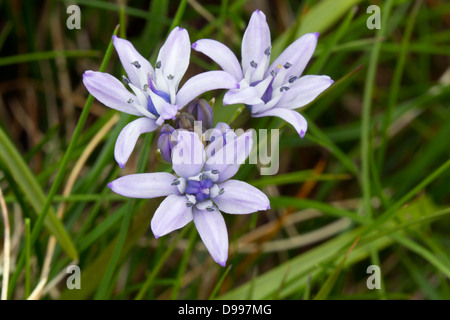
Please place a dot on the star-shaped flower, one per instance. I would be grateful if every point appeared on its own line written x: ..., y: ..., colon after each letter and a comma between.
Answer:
x: 269, y: 90
x: 154, y: 95
x: 201, y: 188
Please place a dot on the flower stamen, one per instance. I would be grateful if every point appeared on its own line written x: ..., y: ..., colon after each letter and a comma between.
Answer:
x: 292, y: 79
x: 136, y: 64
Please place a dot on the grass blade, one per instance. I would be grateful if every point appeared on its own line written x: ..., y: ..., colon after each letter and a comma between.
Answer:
x: 326, y: 288
x: 26, y: 180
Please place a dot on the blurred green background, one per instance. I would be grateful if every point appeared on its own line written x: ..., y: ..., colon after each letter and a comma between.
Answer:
x: 369, y: 184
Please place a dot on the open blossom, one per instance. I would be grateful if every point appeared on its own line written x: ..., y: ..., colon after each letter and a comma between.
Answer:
x: 269, y: 90
x: 153, y: 94
x: 201, y: 188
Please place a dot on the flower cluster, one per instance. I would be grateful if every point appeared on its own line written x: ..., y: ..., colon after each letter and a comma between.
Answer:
x: 202, y: 187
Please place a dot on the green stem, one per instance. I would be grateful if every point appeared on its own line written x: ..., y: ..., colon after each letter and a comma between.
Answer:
x: 105, y: 285
x: 73, y: 142
x: 397, y: 205
x: 396, y: 81
x: 366, y: 110
x: 365, y: 126
x: 36, y: 56
x: 159, y: 264
x: 219, y: 283
x: 241, y: 119
x: 27, y: 258
x: 62, y: 169
x: 183, y: 265
x: 178, y: 15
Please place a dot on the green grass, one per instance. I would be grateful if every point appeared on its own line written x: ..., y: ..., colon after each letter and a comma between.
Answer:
x: 374, y: 164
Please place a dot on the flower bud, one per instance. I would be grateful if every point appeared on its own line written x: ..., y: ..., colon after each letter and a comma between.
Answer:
x: 185, y: 121
x: 202, y: 111
x: 165, y: 143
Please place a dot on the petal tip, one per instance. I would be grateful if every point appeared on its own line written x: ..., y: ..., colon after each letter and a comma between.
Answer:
x: 121, y: 165
x: 268, y: 207
x: 110, y: 185
x: 260, y: 13
x: 152, y: 227
x: 222, y: 263
x: 194, y: 45
x: 317, y: 34
x: 302, y: 134
x: 87, y: 73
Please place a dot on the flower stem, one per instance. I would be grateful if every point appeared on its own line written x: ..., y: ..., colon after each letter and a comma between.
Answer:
x: 241, y: 119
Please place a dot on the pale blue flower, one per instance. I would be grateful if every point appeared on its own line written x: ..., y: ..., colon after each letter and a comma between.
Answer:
x: 201, y: 188
x: 269, y: 89
x: 153, y: 94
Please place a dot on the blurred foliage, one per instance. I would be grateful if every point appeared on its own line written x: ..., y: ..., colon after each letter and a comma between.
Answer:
x: 374, y: 164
